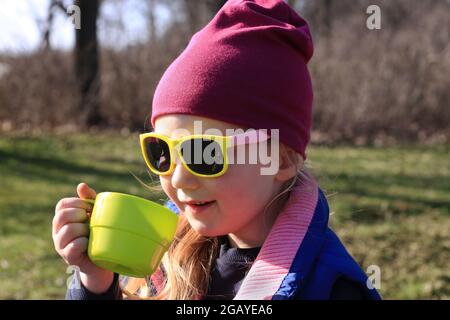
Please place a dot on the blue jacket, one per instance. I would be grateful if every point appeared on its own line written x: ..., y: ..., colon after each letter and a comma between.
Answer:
x: 320, y: 260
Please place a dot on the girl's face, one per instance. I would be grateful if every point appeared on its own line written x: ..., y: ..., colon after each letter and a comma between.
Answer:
x: 239, y: 196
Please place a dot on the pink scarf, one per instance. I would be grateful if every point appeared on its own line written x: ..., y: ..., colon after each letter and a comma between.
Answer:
x: 278, y: 251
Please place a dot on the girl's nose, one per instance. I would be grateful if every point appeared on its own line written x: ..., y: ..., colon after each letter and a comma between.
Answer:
x: 183, y: 179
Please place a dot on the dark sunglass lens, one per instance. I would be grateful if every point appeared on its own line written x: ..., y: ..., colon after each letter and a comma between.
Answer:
x: 203, y: 156
x: 158, y: 154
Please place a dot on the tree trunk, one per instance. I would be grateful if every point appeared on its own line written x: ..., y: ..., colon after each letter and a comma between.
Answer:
x: 87, y: 63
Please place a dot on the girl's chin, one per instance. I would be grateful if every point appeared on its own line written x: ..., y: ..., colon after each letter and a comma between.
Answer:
x: 204, y: 230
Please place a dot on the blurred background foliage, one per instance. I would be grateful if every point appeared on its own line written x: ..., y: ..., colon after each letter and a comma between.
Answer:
x: 371, y: 86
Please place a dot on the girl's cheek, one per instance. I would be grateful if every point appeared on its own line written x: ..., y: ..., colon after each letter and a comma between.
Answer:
x: 170, y: 191
x: 244, y: 173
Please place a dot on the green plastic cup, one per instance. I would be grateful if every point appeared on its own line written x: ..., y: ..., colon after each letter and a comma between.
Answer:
x: 129, y: 235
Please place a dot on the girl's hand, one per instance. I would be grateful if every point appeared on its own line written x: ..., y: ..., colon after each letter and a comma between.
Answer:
x: 70, y: 231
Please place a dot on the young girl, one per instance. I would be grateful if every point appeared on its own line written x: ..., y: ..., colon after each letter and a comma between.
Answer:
x: 242, y: 233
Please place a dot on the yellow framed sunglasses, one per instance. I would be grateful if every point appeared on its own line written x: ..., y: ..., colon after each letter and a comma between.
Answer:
x: 202, y: 155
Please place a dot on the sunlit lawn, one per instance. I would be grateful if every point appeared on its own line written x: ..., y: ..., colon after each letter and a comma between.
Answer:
x: 390, y: 207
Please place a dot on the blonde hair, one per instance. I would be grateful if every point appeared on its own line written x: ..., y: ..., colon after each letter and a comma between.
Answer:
x: 189, y: 261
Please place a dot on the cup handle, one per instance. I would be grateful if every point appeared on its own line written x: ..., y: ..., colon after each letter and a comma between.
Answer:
x: 90, y: 201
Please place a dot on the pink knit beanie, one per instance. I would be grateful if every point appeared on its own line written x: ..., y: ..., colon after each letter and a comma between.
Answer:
x: 248, y: 67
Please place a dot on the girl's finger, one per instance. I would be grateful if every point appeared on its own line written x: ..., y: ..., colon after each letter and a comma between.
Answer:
x: 75, y: 249
x: 85, y: 192
x: 70, y: 232
x: 72, y: 203
x: 69, y: 215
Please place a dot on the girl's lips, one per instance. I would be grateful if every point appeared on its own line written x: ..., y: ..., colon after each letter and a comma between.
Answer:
x: 199, y: 208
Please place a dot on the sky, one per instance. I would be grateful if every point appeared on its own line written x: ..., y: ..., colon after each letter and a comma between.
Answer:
x: 21, y: 20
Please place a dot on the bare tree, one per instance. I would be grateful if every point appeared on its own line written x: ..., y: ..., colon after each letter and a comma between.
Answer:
x: 47, y: 29
x: 151, y: 18
x: 48, y: 26
x: 87, y: 62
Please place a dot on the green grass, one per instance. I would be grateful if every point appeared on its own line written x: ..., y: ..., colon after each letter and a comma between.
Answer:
x: 390, y: 207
